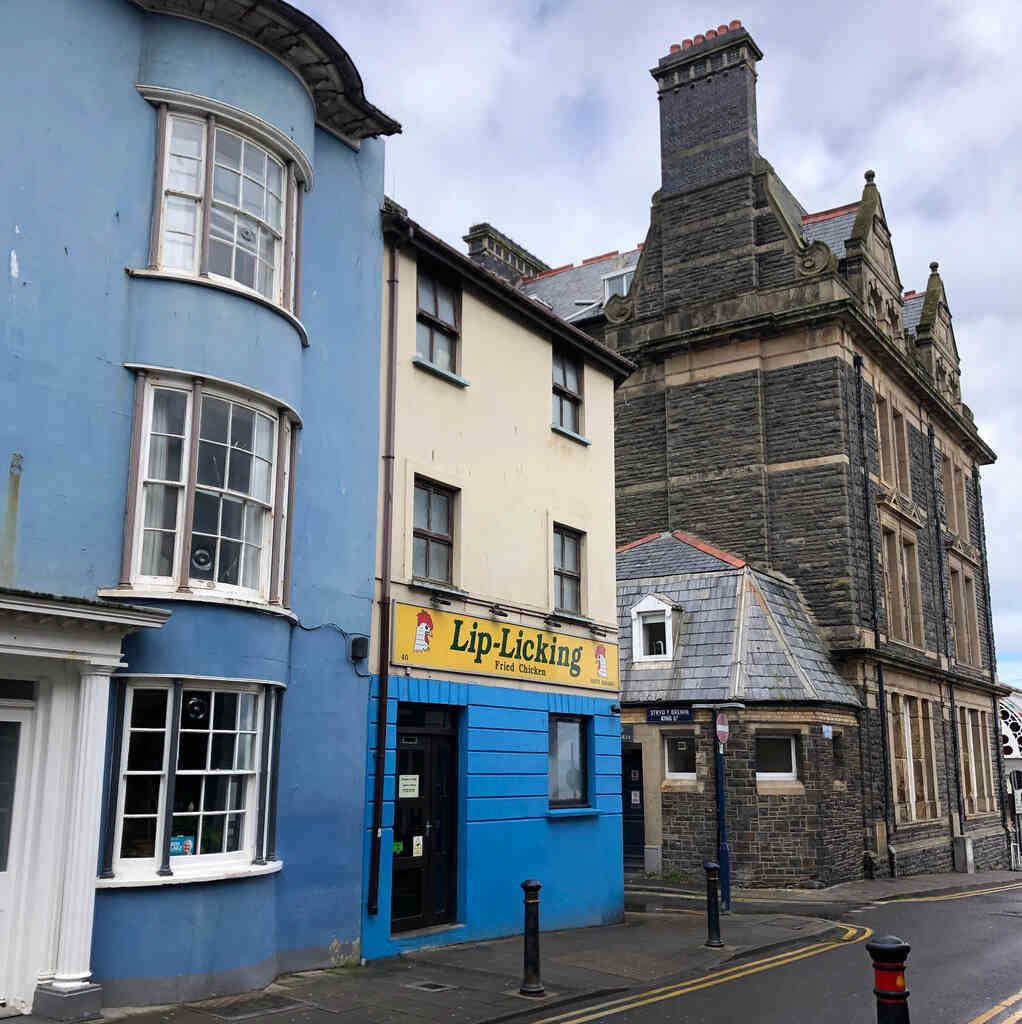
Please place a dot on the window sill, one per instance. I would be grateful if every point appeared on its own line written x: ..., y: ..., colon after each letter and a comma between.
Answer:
x: 780, y: 787
x: 224, y: 286
x: 439, y: 589
x: 573, y: 812
x: 183, y: 876
x: 451, y: 378
x: 681, y: 784
x: 571, y: 435
x: 581, y: 620
x: 172, y: 594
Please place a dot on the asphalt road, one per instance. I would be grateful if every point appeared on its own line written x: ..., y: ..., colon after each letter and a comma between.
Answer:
x: 966, y: 958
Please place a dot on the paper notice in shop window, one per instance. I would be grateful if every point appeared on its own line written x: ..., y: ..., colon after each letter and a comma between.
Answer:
x: 416, y: 846
x: 407, y: 786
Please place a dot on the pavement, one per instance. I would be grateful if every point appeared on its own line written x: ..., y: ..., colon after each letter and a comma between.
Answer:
x: 660, y: 942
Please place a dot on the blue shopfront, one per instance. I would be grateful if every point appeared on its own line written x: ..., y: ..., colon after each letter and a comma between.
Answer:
x: 486, y: 786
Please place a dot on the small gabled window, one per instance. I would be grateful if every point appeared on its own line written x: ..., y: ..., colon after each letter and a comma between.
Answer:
x: 617, y: 284
x: 436, y: 330
x: 567, y: 389
x: 652, y: 630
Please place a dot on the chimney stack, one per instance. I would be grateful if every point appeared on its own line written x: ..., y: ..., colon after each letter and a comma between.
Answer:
x: 707, y: 94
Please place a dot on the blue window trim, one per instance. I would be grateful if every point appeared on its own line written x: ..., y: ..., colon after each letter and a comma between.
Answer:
x: 573, y: 812
x: 570, y: 434
x: 451, y: 378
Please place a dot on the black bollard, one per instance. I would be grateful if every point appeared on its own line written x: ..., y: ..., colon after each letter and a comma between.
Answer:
x: 713, y: 939
x: 531, y: 985
x: 889, y: 954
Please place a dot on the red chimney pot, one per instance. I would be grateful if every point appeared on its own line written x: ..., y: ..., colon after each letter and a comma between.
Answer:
x: 675, y: 48
x: 711, y: 33
x: 721, y: 29
x: 735, y: 24
x: 699, y: 39
x: 686, y: 43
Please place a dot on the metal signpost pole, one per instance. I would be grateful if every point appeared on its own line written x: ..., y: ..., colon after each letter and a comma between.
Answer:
x: 720, y: 729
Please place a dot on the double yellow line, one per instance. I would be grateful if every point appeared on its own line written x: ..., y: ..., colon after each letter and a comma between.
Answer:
x: 995, y: 1010
x: 853, y: 934
x: 950, y: 896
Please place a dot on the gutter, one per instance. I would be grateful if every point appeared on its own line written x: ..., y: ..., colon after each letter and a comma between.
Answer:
x: 383, y: 653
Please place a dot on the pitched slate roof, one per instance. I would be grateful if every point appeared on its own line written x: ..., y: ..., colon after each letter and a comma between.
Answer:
x: 742, y: 634
x: 576, y: 293
x: 912, y: 310
x: 831, y: 226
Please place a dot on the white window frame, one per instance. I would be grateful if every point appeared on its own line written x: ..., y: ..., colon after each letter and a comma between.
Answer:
x: 295, y: 175
x: 628, y: 276
x: 778, y: 776
x: 280, y: 481
x: 668, y: 774
x: 647, y: 608
x: 129, y: 868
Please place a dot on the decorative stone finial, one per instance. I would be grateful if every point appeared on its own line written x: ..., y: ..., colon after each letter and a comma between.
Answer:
x: 870, y: 175
x: 933, y: 267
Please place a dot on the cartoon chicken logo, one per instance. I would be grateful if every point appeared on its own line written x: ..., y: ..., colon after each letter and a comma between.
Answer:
x: 423, y: 632
x: 601, y: 661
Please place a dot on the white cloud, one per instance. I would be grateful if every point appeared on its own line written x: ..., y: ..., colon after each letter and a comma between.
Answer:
x: 541, y: 117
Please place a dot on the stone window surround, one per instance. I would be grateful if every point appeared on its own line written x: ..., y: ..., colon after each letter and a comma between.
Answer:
x: 674, y: 777
x: 981, y: 703
x: 893, y: 443
x: 919, y: 691
x: 914, y: 607
x: 963, y: 604
x: 799, y: 732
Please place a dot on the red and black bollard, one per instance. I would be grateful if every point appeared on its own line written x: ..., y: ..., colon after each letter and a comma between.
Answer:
x: 531, y: 984
x: 889, y: 954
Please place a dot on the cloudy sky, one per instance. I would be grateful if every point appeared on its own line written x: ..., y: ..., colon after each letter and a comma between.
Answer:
x: 541, y: 117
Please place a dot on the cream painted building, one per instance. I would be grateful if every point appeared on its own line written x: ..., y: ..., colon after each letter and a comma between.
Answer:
x: 494, y: 644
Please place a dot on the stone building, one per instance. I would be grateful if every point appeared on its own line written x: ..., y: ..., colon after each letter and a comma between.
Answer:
x: 794, y: 404
x: 699, y: 627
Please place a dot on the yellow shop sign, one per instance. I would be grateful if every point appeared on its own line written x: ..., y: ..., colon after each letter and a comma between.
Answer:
x: 467, y: 643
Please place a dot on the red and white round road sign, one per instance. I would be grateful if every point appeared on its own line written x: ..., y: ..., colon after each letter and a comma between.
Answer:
x: 723, y: 731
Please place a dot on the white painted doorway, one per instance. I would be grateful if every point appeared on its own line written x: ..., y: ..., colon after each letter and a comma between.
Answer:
x: 15, y: 744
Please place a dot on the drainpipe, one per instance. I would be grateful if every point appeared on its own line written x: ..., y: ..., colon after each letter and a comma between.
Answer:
x: 881, y: 692
x: 398, y: 228
x: 991, y: 655
x: 938, y: 538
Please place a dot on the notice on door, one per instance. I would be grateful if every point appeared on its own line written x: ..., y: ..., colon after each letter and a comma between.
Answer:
x: 416, y: 846
x: 636, y: 798
x: 407, y: 786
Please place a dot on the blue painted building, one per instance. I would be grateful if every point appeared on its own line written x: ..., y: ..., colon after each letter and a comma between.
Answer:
x: 192, y: 279
x: 494, y: 737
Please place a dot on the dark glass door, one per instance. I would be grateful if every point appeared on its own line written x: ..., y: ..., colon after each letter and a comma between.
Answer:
x: 425, y: 830
x: 632, y: 818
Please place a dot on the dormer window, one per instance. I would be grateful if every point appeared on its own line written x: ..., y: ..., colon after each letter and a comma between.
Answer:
x: 617, y: 284
x: 652, y: 630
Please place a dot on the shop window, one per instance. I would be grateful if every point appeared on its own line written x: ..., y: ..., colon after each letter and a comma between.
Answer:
x: 569, y: 761
x: 775, y: 757
x: 188, y: 777
x: 680, y: 756
x: 567, y: 570
x: 567, y: 392
x: 978, y: 789
x: 913, y: 772
x: 433, y: 532
x: 436, y: 330
x: 652, y: 630
x: 213, y: 469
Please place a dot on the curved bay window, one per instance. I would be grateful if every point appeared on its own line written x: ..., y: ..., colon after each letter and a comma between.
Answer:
x: 213, y: 471
x: 227, y: 208
x: 193, y: 763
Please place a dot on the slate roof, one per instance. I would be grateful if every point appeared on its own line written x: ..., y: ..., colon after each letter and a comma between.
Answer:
x: 912, y: 311
x: 831, y: 230
x: 564, y: 290
x: 743, y: 634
